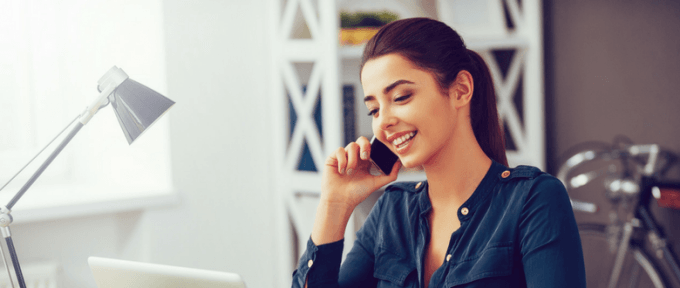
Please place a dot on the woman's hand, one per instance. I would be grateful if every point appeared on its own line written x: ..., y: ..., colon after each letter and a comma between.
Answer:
x: 346, y: 182
x: 346, y: 178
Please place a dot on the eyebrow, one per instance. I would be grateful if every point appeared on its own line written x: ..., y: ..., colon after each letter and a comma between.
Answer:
x: 388, y: 88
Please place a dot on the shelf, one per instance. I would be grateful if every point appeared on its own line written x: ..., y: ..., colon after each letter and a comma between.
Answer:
x: 352, y: 52
x: 497, y: 43
x: 355, y: 52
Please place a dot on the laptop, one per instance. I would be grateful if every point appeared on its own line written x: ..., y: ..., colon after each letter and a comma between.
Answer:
x: 113, y: 273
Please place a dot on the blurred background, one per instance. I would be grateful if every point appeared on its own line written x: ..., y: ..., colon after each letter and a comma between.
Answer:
x: 216, y: 185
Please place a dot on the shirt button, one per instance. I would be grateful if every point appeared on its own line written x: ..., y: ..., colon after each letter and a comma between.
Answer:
x: 464, y: 211
x: 448, y: 257
x: 505, y: 174
x: 418, y: 185
x: 309, y: 263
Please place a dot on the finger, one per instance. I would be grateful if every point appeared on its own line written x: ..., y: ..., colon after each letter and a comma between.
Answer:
x: 332, y: 161
x: 365, y: 147
x: 341, y: 156
x: 385, y: 179
x: 395, y: 169
x: 352, y: 157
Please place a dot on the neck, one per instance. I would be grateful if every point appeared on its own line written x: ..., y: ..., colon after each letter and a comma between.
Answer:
x: 454, y: 174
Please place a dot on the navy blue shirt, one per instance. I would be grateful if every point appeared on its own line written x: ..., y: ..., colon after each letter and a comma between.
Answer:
x: 517, y: 229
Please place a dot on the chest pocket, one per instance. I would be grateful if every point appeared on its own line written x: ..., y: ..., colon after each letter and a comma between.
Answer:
x: 490, y: 266
x: 393, y: 270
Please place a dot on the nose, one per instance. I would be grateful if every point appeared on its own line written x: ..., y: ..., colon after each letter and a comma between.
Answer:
x: 386, y: 119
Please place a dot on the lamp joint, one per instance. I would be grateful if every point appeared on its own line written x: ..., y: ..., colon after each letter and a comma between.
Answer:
x: 5, y: 217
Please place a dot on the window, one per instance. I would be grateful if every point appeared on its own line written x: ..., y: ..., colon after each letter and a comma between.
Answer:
x: 51, y: 56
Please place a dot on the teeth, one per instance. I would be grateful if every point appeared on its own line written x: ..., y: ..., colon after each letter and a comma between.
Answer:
x: 403, y: 138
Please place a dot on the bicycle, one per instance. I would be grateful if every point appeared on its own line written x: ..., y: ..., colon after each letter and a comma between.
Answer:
x: 615, y: 250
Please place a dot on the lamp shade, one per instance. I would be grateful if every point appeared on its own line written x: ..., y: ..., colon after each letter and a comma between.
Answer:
x: 137, y: 107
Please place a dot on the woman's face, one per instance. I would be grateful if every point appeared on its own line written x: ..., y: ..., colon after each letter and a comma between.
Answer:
x: 410, y: 114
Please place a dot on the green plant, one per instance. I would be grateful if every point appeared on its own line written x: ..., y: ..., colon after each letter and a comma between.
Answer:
x: 366, y: 19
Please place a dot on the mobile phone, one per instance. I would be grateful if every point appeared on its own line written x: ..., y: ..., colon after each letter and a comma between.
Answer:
x: 382, y: 157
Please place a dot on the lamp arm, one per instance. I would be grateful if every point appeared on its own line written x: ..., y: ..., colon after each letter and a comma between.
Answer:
x: 15, y: 259
x: 6, y: 218
x: 83, y: 118
x: 42, y: 167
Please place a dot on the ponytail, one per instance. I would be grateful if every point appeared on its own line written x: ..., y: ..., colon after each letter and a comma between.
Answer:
x: 483, y: 112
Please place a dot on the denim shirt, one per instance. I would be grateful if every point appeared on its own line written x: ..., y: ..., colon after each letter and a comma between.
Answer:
x: 517, y: 229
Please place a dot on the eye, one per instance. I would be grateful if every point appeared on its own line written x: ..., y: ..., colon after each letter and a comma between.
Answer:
x: 372, y: 112
x: 403, y: 98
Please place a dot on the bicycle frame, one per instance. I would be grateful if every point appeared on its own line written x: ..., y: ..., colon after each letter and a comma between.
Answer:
x: 643, y: 219
x: 651, y: 150
x: 642, y: 190
x: 657, y: 237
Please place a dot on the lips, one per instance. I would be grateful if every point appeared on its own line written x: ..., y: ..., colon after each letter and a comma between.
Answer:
x: 402, y: 141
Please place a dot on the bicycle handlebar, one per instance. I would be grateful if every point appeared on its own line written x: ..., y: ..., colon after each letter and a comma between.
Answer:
x: 652, y: 150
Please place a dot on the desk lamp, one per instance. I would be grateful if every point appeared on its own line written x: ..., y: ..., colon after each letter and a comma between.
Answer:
x: 136, y: 106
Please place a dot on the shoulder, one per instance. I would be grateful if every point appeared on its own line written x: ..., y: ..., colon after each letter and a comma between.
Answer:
x: 407, y: 195
x: 521, y: 173
x: 528, y: 182
x: 404, y: 191
x: 411, y: 187
x: 529, y: 177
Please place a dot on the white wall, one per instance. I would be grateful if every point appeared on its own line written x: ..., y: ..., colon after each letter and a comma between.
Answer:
x: 217, y: 63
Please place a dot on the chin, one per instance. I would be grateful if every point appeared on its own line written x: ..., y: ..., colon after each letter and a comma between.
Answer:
x: 410, y: 163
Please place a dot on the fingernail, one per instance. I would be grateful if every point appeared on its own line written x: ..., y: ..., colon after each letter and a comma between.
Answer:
x: 342, y: 171
x: 350, y: 171
x: 364, y: 155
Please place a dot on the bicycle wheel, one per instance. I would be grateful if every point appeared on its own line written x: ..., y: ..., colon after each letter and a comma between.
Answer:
x: 637, y: 271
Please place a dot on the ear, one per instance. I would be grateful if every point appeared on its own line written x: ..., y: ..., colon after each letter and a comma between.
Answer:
x: 461, y: 89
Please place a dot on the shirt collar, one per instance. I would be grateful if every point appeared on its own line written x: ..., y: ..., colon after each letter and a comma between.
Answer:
x: 478, y: 196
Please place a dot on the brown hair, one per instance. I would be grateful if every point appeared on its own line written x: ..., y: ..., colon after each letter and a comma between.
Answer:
x: 435, y: 47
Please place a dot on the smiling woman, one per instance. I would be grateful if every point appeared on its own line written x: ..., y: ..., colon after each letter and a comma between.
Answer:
x: 412, y: 104
x: 444, y: 67
x: 474, y: 222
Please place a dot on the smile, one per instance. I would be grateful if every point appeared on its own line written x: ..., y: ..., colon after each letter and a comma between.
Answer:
x: 402, y: 142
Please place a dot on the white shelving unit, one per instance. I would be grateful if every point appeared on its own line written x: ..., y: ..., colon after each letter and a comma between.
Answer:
x: 309, y: 66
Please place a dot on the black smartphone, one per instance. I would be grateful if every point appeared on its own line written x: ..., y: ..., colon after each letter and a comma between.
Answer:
x: 382, y: 157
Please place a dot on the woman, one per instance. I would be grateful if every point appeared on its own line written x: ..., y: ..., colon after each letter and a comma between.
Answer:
x: 474, y: 222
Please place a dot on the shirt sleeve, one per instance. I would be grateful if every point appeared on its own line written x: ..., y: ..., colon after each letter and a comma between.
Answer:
x: 320, y: 265
x: 549, y: 237
x: 357, y: 270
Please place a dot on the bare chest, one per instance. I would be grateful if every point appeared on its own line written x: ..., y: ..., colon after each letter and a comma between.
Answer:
x: 441, y: 228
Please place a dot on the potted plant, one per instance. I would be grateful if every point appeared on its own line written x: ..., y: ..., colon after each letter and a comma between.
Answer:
x: 357, y: 28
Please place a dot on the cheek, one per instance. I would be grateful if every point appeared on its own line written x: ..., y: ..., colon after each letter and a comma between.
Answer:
x: 376, y: 131
x: 434, y: 122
